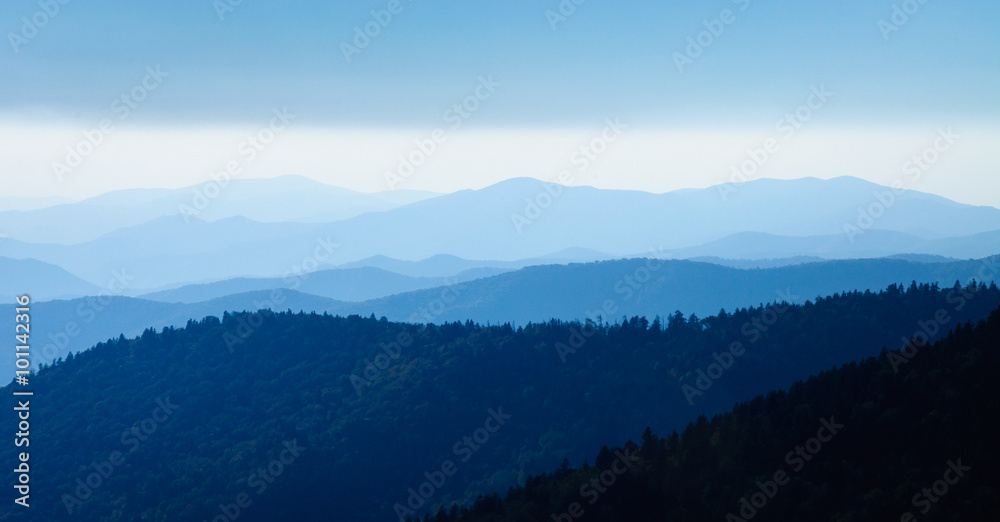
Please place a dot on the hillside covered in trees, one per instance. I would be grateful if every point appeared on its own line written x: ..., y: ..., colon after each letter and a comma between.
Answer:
x: 876, y: 440
x: 305, y: 415
x: 578, y: 291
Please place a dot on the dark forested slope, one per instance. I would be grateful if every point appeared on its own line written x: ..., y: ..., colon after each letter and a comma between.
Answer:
x: 905, y: 436
x: 341, y: 417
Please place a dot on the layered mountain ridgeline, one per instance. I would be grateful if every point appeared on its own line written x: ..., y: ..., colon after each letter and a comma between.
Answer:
x: 650, y: 287
x: 342, y: 284
x: 149, y: 240
x: 280, y: 199
x: 612, y: 289
x: 294, y: 415
x: 905, y: 436
x: 45, y: 281
x: 64, y: 326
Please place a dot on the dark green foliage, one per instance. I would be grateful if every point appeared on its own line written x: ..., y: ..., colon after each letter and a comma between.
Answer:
x: 288, y: 376
x: 901, y: 432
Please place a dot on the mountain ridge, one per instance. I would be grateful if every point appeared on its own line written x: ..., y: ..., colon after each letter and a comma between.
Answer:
x: 521, y: 219
x: 578, y: 291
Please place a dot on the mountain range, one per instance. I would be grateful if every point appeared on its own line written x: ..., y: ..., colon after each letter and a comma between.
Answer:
x: 510, y: 222
x: 577, y: 291
x: 176, y: 423
x: 44, y: 281
x: 267, y: 200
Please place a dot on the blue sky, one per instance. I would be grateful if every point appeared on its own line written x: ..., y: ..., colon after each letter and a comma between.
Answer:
x: 940, y: 68
x: 607, y: 57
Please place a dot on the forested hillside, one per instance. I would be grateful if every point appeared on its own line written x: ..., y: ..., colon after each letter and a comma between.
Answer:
x: 879, y: 440
x: 611, y: 289
x: 338, y: 417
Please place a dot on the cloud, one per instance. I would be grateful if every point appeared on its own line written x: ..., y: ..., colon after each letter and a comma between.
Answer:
x: 649, y: 159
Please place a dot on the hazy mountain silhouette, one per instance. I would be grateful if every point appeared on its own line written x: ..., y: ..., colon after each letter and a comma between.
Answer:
x: 344, y: 284
x: 443, y: 265
x: 582, y: 221
x: 649, y: 288
x: 284, y: 198
x: 240, y: 387
x: 874, y: 243
x: 612, y: 289
x: 41, y: 281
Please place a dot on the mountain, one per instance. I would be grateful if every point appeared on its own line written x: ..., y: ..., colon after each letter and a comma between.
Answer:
x: 923, y: 258
x: 9, y: 203
x: 284, y: 198
x: 799, y: 260
x: 435, y: 266
x: 491, y: 224
x: 443, y: 265
x: 63, y: 326
x: 347, y: 415
x: 170, y: 251
x: 524, y: 218
x: 761, y: 263
x: 881, y: 450
x: 649, y: 287
x: 41, y: 281
x: 611, y: 289
x: 346, y: 284
x: 874, y: 243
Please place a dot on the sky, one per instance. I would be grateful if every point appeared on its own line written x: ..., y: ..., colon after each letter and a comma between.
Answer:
x: 641, y: 95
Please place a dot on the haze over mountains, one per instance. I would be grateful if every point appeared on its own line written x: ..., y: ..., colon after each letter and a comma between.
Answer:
x: 479, y: 262
x: 370, y: 435
x: 874, y: 243
x: 681, y: 268
x: 8, y: 203
x: 46, y: 281
x: 487, y: 255
x: 140, y: 232
x: 284, y: 198
x: 348, y: 284
x: 604, y: 291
